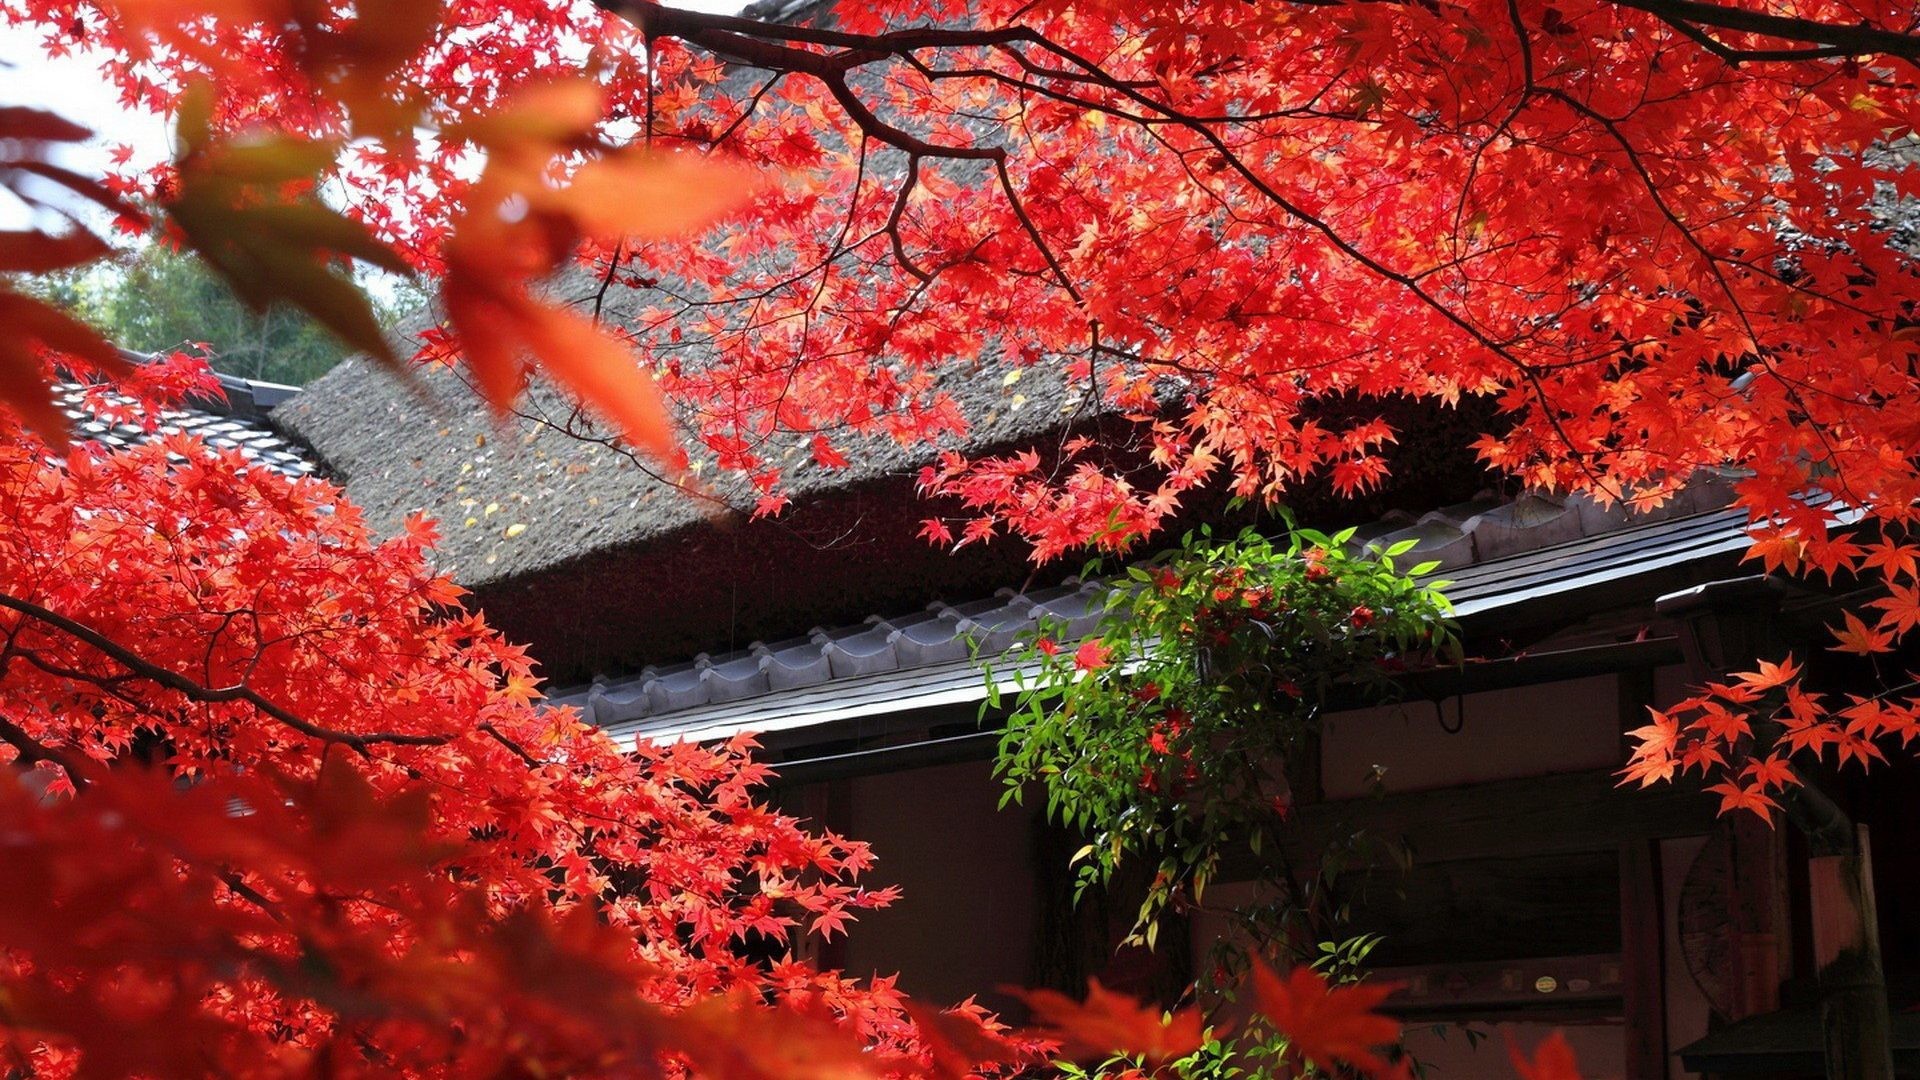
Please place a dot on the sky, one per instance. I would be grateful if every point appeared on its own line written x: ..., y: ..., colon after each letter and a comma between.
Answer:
x: 75, y: 88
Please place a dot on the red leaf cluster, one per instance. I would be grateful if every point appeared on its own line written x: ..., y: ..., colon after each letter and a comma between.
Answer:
x: 318, y: 819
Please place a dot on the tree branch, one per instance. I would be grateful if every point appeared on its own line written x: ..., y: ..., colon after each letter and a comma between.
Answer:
x: 32, y: 750
x: 194, y: 691
x: 751, y: 36
x: 1850, y: 40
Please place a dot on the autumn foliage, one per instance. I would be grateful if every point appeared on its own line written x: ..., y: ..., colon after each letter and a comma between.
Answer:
x: 1663, y: 236
x: 382, y: 834
x: 29, y: 141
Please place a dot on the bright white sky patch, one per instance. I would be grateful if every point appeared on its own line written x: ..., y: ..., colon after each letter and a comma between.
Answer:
x: 75, y: 87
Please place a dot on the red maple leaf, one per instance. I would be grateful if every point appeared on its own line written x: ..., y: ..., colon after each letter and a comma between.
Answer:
x: 1900, y: 608
x: 1552, y: 1060
x: 1859, y: 638
x: 1108, y: 1023
x: 1749, y: 797
x: 1770, y: 674
x: 1091, y: 655
x: 1324, y: 1024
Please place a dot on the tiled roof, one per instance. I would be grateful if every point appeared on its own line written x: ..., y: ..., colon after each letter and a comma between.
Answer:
x: 939, y: 638
x: 238, y: 423
x: 1495, y: 554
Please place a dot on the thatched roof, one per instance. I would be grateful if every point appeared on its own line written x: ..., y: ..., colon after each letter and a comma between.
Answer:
x: 523, y: 494
x: 554, y: 531
x: 574, y: 498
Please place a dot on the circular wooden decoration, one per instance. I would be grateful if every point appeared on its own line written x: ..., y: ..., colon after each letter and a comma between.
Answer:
x: 1706, y: 925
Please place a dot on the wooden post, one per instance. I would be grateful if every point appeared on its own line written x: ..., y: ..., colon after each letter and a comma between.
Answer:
x: 1643, y: 960
x: 1846, y: 952
x: 831, y: 804
x: 1643, y: 941
x: 1757, y: 896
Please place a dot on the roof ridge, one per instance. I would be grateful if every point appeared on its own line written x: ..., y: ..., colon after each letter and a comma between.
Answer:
x: 240, y: 396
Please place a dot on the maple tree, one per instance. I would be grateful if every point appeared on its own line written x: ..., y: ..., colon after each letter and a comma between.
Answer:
x: 280, y: 807
x: 1661, y: 233
x: 383, y: 835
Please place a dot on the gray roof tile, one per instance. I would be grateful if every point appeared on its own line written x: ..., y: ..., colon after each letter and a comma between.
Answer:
x: 930, y: 638
x: 1652, y: 543
x: 240, y: 423
x: 863, y: 653
x: 1435, y: 539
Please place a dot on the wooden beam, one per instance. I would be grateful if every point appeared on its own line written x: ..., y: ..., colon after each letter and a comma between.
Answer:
x: 1628, y: 658
x: 1544, y: 988
x: 1487, y: 909
x: 1568, y: 812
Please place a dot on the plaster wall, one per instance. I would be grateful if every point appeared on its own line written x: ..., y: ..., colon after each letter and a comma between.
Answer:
x: 1502, y: 734
x: 965, y: 924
